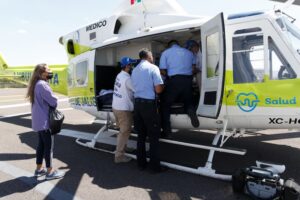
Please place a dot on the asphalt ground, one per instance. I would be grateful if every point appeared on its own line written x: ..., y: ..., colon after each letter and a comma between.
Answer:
x: 92, y: 174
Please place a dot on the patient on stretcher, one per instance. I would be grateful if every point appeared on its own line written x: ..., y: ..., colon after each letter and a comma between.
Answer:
x: 104, y: 99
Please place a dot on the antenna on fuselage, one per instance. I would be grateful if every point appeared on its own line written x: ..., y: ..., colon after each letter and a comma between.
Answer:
x: 283, y: 7
x: 141, y: 9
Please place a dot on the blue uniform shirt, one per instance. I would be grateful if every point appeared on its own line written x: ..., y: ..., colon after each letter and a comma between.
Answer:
x: 144, y: 77
x: 177, y: 61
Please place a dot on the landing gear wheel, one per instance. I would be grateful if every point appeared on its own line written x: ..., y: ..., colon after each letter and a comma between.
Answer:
x: 238, y: 181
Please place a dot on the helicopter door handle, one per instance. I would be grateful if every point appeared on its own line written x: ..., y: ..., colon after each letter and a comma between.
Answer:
x: 229, y: 92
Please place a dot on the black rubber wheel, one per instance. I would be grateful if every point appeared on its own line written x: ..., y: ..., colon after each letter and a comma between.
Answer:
x: 238, y: 181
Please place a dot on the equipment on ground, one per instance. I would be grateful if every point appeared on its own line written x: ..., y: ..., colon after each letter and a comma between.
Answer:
x: 263, y: 182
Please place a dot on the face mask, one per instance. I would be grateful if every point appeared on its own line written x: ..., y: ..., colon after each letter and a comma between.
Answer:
x: 50, y: 75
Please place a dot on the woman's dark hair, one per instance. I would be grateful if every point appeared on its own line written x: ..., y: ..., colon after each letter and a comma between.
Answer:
x: 36, y: 76
x: 144, y: 53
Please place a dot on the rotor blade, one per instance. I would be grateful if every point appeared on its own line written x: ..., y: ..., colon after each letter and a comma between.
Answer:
x: 295, y: 2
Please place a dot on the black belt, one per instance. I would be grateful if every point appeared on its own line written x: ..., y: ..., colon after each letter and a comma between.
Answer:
x: 141, y: 100
x: 179, y: 75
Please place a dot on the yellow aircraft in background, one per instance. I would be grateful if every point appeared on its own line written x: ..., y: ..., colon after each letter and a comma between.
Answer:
x: 19, y: 76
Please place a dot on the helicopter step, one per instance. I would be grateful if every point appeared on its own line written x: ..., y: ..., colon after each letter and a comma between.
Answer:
x: 109, y: 137
x: 205, y: 147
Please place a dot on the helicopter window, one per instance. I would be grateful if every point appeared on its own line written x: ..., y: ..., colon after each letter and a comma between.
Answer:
x: 70, y: 75
x: 291, y: 31
x: 248, y: 58
x: 212, y: 55
x: 279, y: 67
x: 248, y: 30
x: 93, y: 36
x: 70, y: 47
x: 81, y: 73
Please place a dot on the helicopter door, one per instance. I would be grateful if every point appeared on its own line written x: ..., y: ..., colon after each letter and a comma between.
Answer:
x: 79, y: 81
x: 213, y: 67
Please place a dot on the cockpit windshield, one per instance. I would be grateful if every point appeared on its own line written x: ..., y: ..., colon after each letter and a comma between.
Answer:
x: 291, y: 31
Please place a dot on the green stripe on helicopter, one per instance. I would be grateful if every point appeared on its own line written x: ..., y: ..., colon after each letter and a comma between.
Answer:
x: 78, y: 49
x: 82, y: 90
x: 269, y: 93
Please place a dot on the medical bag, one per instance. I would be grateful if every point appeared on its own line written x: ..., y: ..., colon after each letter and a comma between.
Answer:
x: 263, y: 182
x: 258, y: 183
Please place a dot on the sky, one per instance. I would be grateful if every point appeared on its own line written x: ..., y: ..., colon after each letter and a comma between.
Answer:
x: 29, y: 31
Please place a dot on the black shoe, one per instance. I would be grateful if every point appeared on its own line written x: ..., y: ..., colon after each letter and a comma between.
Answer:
x: 194, y: 119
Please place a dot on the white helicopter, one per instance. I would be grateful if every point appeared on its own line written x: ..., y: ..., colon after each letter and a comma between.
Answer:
x: 250, y: 75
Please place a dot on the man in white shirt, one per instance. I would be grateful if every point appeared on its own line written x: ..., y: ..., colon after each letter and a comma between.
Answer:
x: 123, y: 107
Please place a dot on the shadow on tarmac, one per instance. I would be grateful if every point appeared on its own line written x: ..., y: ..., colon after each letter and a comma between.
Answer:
x: 17, y: 185
x: 15, y: 156
x: 100, y: 166
x: 171, y: 184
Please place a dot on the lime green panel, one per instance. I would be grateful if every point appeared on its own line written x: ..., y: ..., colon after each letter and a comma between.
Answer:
x: 83, y: 95
x: 270, y: 93
x: 79, y: 49
x: 210, y: 72
x: 59, y: 82
x: 3, y: 64
x: 87, y: 91
x: 22, y: 74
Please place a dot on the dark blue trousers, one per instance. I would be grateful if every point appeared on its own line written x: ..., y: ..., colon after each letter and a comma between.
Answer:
x: 44, y: 149
x: 147, y: 123
x: 177, y: 89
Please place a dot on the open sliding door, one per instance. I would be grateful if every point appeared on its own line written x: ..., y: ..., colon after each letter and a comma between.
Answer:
x: 213, y: 67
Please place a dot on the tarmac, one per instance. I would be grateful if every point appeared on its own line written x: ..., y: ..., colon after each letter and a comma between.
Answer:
x: 93, y: 175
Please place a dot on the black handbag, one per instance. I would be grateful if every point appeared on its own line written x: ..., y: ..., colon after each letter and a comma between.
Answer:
x: 56, y: 119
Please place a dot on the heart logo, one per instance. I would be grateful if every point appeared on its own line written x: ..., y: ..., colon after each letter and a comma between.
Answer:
x: 247, y: 102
